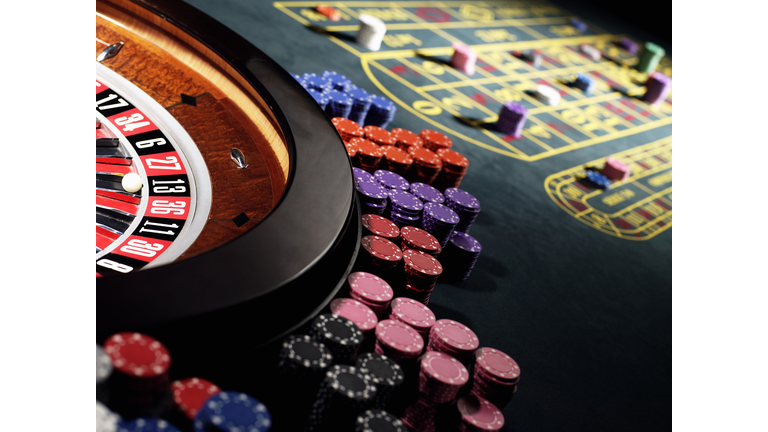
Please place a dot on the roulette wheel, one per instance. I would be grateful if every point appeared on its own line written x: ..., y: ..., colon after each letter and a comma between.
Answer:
x: 225, y: 205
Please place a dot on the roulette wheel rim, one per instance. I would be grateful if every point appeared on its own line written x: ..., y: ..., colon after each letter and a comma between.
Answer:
x: 285, y: 269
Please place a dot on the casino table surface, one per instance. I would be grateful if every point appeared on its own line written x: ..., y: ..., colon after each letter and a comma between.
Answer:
x: 573, y: 282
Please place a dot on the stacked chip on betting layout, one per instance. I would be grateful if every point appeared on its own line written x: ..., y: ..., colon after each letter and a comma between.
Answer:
x: 339, y: 334
x: 597, y: 179
x: 463, y: 58
x: 650, y: 57
x: 465, y: 205
x: 406, y: 139
x: 397, y: 340
x: 548, y: 95
x: 413, y: 313
x: 370, y: 290
x: 141, y: 366
x: 190, y: 394
x: 344, y: 393
x: 496, y: 376
x: 628, y: 44
x: 363, y: 317
x: 512, y: 118
x: 460, y: 256
x: 381, y: 112
x: 421, y: 273
x: 418, y: 239
x: 403, y: 208
x: 368, y: 154
x: 657, y: 88
x: 371, y: 32
x: 478, y: 414
x: 397, y: 160
x: 593, y: 53
x: 426, y: 165
x: 532, y: 56
x: 385, y: 373
x: 455, y: 339
x: 454, y: 169
x: 347, y: 128
x: 580, y: 25
x: 377, y: 420
x: 228, y: 411
x: 584, y: 83
x: 380, y: 226
x: 373, y: 196
x: 146, y: 424
x: 361, y: 103
x: 106, y: 420
x: 440, y: 221
x: 615, y: 169
x: 427, y: 193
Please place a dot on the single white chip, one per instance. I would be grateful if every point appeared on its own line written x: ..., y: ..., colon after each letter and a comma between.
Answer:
x: 591, y: 52
x: 548, y: 95
x: 132, y: 182
x: 371, y: 32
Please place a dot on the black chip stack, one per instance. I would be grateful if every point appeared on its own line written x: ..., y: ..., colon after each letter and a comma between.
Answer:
x: 344, y: 394
x: 304, y: 358
x: 377, y: 420
x: 385, y: 374
x: 460, y: 256
x: 339, y: 334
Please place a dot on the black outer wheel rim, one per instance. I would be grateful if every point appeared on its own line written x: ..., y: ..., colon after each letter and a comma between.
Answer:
x: 307, y: 224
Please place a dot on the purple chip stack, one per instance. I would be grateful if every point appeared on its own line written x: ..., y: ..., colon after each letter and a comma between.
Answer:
x: 391, y: 180
x: 459, y: 256
x: 629, y: 45
x: 362, y: 175
x: 465, y: 205
x: 373, y: 197
x: 404, y: 208
x: 440, y: 221
x: 427, y: 193
x: 657, y: 88
x: 512, y: 118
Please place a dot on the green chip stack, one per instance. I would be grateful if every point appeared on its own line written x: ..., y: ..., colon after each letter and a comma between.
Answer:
x: 650, y: 57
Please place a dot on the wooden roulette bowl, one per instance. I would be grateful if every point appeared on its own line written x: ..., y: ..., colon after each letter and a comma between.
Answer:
x: 267, y: 241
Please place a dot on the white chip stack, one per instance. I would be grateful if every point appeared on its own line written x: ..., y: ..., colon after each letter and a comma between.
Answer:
x: 591, y: 52
x: 371, y: 32
x: 106, y: 420
x: 548, y: 95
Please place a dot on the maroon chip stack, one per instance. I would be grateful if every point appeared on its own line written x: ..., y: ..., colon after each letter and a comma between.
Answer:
x: 347, y: 128
x: 413, y: 313
x: 455, y: 339
x: 368, y: 154
x: 370, y: 290
x: 357, y: 312
x: 418, y: 239
x: 496, y: 376
x: 421, y: 273
x: 435, y: 140
x: 380, y: 253
x: 441, y: 377
x: 380, y: 226
x: 397, y: 340
x: 406, y: 139
x: 478, y: 414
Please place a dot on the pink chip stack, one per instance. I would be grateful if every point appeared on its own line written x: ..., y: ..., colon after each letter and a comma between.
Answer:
x: 496, y: 376
x: 441, y: 377
x: 413, y: 313
x: 420, y: 416
x: 615, y: 169
x: 397, y: 340
x: 455, y: 339
x: 464, y: 58
x: 358, y: 313
x: 371, y: 291
x: 478, y: 414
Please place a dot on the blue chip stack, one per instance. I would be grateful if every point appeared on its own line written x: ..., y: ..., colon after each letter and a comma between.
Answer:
x: 338, y: 81
x: 316, y: 82
x: 143, y: 424
x: 320, y: 98
x: 465, y: 205
x: 440, y: 221
x: 361, y: 103
x: 598, y: 179
x: 459, y: 256
x: 579, y: 24
x: 404, y: 208
x: 584, y: 83
x: 373, y: 197
x: 391, y: 180
x: 382, y: 112
x: 228, y: 411
x: 339, y: 104
x: 427, y: 193
x: 296, y: 77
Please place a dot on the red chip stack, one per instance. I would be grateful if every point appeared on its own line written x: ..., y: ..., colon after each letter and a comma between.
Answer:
x: 413, y: 313
x: 351, y: 150
x: 347, y: 128
x: 421, y: 273
x: 420, y: 240
x: 363, y: 317
x: 380, y: 226
x: 371, y: 291
x: 434, y: 140
x: 142, y: 364
x: 190, y: 394
x: 478, y: 415
x: 406, y: 139
x: 453, y: 171
x: 397, y: 340
x: 368, y: 154
x: 426, y: 165
x: 380, y: 253
x: 379, y: 136
x: 396, y: 160
x: 455, y: 339
x: 496, y: 376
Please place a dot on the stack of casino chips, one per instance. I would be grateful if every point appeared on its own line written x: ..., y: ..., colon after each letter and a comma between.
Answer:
x: 377, y: 420
x: 397, y: 340
x: 657, y: 88
x: 363, y: 317
x: 650, y: 57
x: 106, y: 420
x: 229, y: 411
x: 597, y: 179
x: 440, y: 221
x: 379, y: 136
x: 454, y: 168
x: 147, y: 424
x: 385, y: 373
x: 455, y: 339
x: 404, y: 209
x: 319, y: 97
x: 347, y: 128
x: 421, y: 415
x: 413, y: 313
x: 434, y: 140
x: 460, y: 256
x: 304, y: 358
x: 478, y: 415
x: 628, y: 44
x: 426, y: 165
x: 372, y: 195
x: 421, y: 273
x: 465, y: 205
x: 368, y: 154
x: 337, y: 81
x: 380, y: 226
x: 141, y: 365
x: 391, y: 180
x: 371, y: 291
x: 339, y: 104
x: 379, y: 254
x: 512, y: 119
x: 579, y: 24
x: 351, y: 150
x: 532, y: 56
x: 190, y: 394
x: 591, y: 52
x: 317, y: 83
x: 406, y: 139
x: 381, y: 112
x: 615, y: 169
x: 584, y: 83
x: 547, y: 94
x: 496, y: 376
x: 397, y: 160
x: 441, y: 376
x: 339, y: 334
x: 463, y: 58
x: 344, y: 393
x: 418, y: 239
x: 362, y: 175
x: 371, y: 32
x: 427, y: 193
x: 361, y: 103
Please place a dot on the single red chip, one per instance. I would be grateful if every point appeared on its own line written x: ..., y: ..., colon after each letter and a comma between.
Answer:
x: 137, y: 355
x: 190, y: 394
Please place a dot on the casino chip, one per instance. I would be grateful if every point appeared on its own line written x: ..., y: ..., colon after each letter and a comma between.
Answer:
x: 650, y: 57
x: 103, y: 365
x: 381, y: 112
x: 454, y: 168
x: 397, y: 340
x: 479, y: 414
x: 331, y: 13
x: 384, y: 372
x: 233, y: 411
x: 190, y: 394
x: 361, y: 103
x: 418, y: 239
x: 377, y: 420
x: 463, y: 58
x: 599, y: 180
x: 421, y: 273
x: 413, y: 313
x: 370, y: 290
x: 338, y: 81
x: 106, y: 420
x: 580, y: 25
x: 441, y: 377
x: 379, y: 136
x: 434, y: 140
x: 380, y: 226
x: 460, y: 255
x: 421, y: 415
x: 344, y: 392
x: 548, y: 95
x: 496, y: 376
x: 615, y: 169
x: 657, y: 88
x: 142, y: 424
x: 465, y: 205
x: 440, y: 221
x: 360, y: 314
x: 584, y: 83
x: 137, y: 355
x: 397, y: 160
x: 348, y: 129
x: 426, y: 165
x: 391, y: 180
x: 371, y: 32
x: 427, y: 193
x: 404, y: 208
x: 406, y: 138
x: 512, y: 118
x: 339, y: 334
x: 591, y: 52
x: 455, y: 339
x: 628, y: 44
